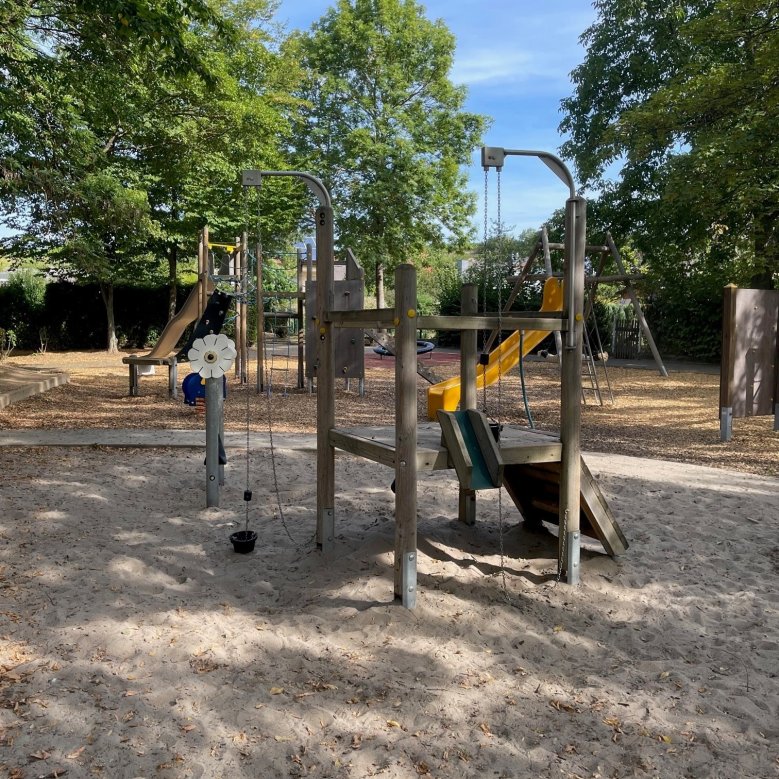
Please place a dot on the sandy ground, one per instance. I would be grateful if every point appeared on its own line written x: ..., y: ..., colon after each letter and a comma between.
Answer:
x: 135, y: 643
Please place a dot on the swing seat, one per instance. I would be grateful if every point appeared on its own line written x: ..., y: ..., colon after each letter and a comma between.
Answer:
x: 470, y: 441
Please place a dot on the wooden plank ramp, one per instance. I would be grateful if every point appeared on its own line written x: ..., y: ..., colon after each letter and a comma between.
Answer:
x: 535, y: 490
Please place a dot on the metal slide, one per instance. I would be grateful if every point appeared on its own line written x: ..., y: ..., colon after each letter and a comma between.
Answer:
x: 446, y: 394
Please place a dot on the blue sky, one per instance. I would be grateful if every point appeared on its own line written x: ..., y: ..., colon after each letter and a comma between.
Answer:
x: 515, y: 57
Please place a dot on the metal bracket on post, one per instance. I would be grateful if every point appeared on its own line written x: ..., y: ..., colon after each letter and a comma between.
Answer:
x: 725, y: 424
x: 408, y: 578
x: 327, y: 524
x: 572, y: 572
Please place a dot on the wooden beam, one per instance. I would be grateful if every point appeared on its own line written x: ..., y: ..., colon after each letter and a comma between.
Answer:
x: 361, y: 446
x: 325, y: 383
x: 590, y: 247
x: 530, y: 320
x: 364, y: 318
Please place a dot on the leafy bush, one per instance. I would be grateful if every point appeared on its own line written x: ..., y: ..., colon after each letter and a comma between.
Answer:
x: 7, y: 342
x: 23, y: 304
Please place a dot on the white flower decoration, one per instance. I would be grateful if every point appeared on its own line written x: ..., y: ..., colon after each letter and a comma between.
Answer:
x: 212, y: 355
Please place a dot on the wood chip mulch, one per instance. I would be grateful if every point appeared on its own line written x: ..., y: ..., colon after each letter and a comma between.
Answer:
x: 673, y: 418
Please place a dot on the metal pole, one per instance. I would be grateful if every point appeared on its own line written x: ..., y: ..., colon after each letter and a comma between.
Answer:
x: 214, y: 403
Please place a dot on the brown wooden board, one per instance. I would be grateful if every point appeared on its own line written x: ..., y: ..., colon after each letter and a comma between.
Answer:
x: 349, y: 346
x: 753, y: 353
x: 535, y: 490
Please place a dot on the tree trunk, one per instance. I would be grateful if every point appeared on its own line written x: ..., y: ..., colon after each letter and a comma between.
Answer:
x: 379, y: 285
x: 173, y: 259
x: 766, y: 250
x: 107, y: 292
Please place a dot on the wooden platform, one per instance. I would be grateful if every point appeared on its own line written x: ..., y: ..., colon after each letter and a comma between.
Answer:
x: 531, y: 473
x: 517, y: 445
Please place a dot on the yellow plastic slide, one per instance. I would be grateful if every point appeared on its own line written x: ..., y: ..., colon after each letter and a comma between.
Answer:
x: 446, y: 394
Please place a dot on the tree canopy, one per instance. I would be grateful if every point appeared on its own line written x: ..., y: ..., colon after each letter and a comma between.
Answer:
x: 385, y: 127
x: 673, y: 116
x: 116, y: 147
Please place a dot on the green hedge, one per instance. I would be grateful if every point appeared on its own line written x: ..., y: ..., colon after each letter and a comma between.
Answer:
x: 72, y: 316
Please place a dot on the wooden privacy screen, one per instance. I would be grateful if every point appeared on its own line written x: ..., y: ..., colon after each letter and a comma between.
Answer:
x: 749, y: 377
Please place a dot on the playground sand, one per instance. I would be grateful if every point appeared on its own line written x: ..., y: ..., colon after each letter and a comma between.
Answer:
x: 135, y: 643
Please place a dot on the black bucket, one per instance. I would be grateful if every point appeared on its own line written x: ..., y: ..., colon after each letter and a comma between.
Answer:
x: 243, y: 541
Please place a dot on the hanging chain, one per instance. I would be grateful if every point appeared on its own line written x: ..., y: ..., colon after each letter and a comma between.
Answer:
x: 499, y: 420
x: 270, y: 379
x: 244, y: 288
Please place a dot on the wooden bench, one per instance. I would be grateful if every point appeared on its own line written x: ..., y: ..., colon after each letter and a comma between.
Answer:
x: 133, y: 361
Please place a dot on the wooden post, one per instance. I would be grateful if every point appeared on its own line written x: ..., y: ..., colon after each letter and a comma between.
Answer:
x: 300, y: 259
x: 776, y: 377
x: 325, y: 380
x: 260, y: 323
x: 202, y: 272
x: 469, y: 305
x: 406, y: 435
x: 636, y: 306
x: 727, y: 362
x: 244, y: 308
x: 558, y: 339
x: 571, y: 390
x: 237, y: 271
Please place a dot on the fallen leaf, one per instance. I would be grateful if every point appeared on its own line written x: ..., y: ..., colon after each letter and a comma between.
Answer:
x: 485, y: 728
x: 557, y: 628
x: 40, y: 755
x: 187, y: 728
x: 391, y: 723
x: 276, y: 690
x: 75, y: 753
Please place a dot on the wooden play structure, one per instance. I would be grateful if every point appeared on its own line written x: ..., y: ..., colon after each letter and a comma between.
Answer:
x: 164, y: 351
x: 563, y: 490
x: 445, y: 395
x: 749, y: 367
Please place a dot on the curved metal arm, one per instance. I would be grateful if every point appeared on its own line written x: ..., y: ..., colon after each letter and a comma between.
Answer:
x: 493, y: 156
x: 253, y: 178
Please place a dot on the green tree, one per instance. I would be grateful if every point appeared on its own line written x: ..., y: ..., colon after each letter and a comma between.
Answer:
x: 119, y: 145
x: 681, y: 99
x: 385, y: 128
